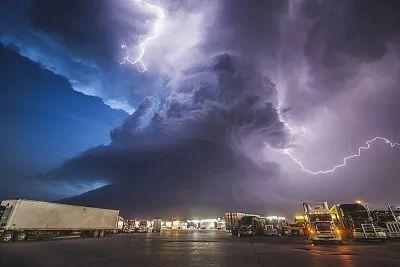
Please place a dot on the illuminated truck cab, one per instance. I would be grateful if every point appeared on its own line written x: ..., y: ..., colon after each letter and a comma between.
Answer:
x: 319, y: 222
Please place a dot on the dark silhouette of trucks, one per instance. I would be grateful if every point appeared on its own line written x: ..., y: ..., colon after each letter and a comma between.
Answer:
x: 387, y: 220
x: 251, y: 226
x: 232, y: 221
x: 355, y: 222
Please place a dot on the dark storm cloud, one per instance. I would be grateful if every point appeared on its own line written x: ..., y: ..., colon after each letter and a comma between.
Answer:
x: 249, y: 28
x: 90, y: 28
x: 193, y: 147
x: 336, y: 39
x: 215, y: 134
x: 81, y: 41
x: 342, y: 89
x: 361, y: 29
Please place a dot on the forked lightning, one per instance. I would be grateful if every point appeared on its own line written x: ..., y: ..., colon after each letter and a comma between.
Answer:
x: 346, y: 159
x: 138, y: 61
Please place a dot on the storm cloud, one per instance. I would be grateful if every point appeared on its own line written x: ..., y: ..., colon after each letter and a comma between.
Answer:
x: 198, y: 144
x: 230, y: 85
x: 82, y: 41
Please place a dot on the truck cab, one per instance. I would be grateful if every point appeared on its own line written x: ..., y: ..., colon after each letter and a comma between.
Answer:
x: 2, y: 211
x: 6, y: 209
x: 319, y: 223
x: 250, y: 226
x: 156, y: 225
x: 356, y: 222
x: 142, y: 227
x: 130, y: 227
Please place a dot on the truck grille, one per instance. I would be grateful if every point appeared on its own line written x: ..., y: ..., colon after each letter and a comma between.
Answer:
x: 322, y: 227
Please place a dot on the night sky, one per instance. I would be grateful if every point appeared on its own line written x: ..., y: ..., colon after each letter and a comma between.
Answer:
x: 230, y: 87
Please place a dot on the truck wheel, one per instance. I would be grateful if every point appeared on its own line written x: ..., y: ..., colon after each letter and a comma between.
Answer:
x: 7, y: 237
x: 102, y: 233
x: 84, y: 234
x: 95, y: 233
x: 20, y: 236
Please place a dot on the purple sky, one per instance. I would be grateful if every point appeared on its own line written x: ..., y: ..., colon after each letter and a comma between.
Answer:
x: 231, y: 85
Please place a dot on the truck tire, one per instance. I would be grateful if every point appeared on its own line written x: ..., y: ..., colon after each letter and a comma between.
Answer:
x: 96, y: 233
x: 102, y: 233
x: 7, y: 237
x: 84, y: 234
x: 20, y: 236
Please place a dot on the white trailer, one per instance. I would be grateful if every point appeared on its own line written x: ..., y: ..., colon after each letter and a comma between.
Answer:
x: 20, y: 219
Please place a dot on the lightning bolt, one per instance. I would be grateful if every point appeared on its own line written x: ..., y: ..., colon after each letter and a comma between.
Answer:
x: 346, y: 159
x: 138, y: 61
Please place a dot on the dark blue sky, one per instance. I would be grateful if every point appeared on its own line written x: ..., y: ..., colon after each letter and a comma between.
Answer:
x: 43, y: 123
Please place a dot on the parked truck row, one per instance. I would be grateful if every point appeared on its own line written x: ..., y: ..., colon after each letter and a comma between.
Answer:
x: 22, y: 219
x: 319, y: 223
x: 143, y: 226
x: 246, y: 224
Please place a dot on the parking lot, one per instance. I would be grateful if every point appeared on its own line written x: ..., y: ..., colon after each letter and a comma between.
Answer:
x: 195, y: 248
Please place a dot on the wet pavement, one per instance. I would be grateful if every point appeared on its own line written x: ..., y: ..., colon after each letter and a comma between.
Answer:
x: 195, y: 248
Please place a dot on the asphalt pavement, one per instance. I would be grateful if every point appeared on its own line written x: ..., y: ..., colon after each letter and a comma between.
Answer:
x: 195, y: 248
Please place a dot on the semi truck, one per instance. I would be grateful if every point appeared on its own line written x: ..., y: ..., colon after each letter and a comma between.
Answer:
x: 130, y: 228
x: 294, y: 229
x: 275, y: 225
x: 121, y: 225
x: 232, y: 221
x: 251, y: 226
x: 21, y: 219
x: 320, y: 224
x: 156, y: 228
x: 355, y: 222
x: 141, y: 226
x: 387, y: 220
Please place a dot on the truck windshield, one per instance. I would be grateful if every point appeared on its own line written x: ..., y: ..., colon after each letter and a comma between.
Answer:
x: 320, y: 217
x: 246, y: 221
